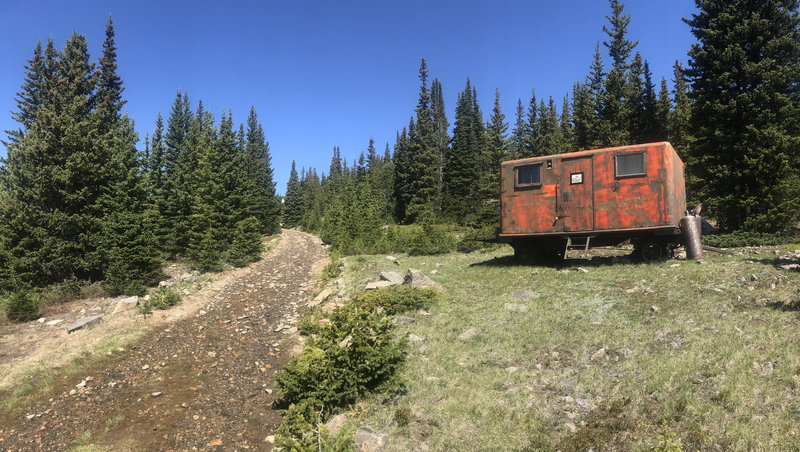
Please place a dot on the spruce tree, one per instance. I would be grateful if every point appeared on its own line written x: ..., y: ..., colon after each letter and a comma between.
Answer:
x: 531, y: 131
x: 258, y: 163
x: 518, y: 133
x: 745, y: 120
x: 679, y: 119
x: 402, y: 174
x: 32, y: 94
x: 567, y: 129
x: 496, y: 150
x: 614, y: 124
x: 424, y: 185
x: 463, y: 172
x: 293, y: 201
x: 663, y: 107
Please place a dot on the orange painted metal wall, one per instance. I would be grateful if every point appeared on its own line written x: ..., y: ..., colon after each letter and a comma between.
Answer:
x: 581, y: 192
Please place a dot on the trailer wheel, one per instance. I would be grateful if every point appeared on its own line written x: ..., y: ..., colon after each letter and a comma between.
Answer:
x: 652, y: 251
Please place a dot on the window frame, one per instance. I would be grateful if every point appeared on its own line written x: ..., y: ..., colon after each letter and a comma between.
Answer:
x: 625, y: 176
x: 517, y: 184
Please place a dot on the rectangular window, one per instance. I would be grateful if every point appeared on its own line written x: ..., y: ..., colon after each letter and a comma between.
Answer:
x: 576, y: 178
x: 528, y: 175
x: 629, y: 164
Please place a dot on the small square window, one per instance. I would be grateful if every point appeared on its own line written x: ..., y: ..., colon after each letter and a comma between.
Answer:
x: 575, y: 178
x: 629, y: 164
x: 529, y: 175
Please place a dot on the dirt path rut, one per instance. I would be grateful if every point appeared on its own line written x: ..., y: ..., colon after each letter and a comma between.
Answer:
x: 201, y: 383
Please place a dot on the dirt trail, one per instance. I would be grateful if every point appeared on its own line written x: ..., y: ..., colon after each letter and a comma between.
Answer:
x: 201, y: 382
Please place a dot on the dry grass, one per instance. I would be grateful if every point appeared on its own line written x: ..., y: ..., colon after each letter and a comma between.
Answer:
x: 600, y: 358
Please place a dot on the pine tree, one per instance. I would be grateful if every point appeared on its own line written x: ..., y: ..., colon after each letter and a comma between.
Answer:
x: 402, y: 174
x: 440, y: 123
x: 55, y: 179
x: 635, y: 94
x: 614, y: 127
x: 496, y: 151
x: 567, y: 129
x: 663, y: 107
x: 128, y: 222
x: 258, y: 163
x: 172, y: 209
x: 745, y: 120
x: 463, y: 171
x: 424, y: 183
x: 293, y: 211
x: 531, y: 138
x: 155, y: 163
x: 518, y: 133
x: 679, y: 119
x: 32, y: 94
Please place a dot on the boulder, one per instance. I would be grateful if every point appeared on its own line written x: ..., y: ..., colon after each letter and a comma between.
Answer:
x: 83, y: 322
x: 378, y: 285
x: 368, y: 440
x: 322, y: 296
x: 335, y: 424
x: 393, y: 260
x: 393, y: 277
x: 125, y: 304
x: 416, y: 278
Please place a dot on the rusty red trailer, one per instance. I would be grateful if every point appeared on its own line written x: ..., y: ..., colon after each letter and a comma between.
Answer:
x: 599, y: 197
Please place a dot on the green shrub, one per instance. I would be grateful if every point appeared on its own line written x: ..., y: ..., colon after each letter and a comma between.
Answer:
x: 739, y: 239
x: 397, y: 299
x: 332, y: 270
x: 22, y: 306
x: 164, y: 298
x: 355, y: 355
x: 468, y: 244
x: 302, y: 431
x: 667, y: 442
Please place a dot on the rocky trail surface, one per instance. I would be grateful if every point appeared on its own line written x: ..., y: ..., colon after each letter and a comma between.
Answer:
x: 203, y: 382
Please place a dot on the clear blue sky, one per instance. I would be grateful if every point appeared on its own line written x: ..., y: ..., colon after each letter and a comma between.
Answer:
x: 326, y: 73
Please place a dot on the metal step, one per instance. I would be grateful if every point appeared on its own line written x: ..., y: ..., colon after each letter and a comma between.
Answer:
x: 581, y: 243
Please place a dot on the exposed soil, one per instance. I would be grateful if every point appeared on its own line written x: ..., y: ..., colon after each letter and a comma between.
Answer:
x: 200, y: 379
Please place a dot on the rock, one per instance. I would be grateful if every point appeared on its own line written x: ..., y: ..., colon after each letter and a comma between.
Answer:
x: 167, y: 283
x: 571, y: 427
x: 393, y: 260
x: 83, y: 322
x: 125, y: 304
x: 322, y: 296
x: 524, y: 294
x: 580, y: 269
x: 215, y: 442
x: 155, y: 394
x: 626, y: 352
x: 416, y: 278
x: 467, y: 334
x: 789, y: 266
x: 346, y: 341
x: 270, y: 439
x: 767, y: 368
x: 368, y: 440
x: 54, y: 322
x: 516, y: 307
x: 511, y: 369
x: 377, y: 285
x: 393, y: 277
x: 335, y: 424
x: 655, y: 309
x: 674, y: 265
x: 81, y: 384
x: 600, y: 354
x: 30, y: 417
x: 41, y: 320
x: 415, y: 338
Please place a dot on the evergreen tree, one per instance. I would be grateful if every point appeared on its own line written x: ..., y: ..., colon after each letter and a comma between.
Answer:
x: 293, y: 210
x: 463, y: 171
x: 567, y: 130
x: 32, y: 94
x: 635, y: 100
x: 745, y: 119
x: 496, y: 151
x: 614, y: 128
x: 663, y: 107
x: 155, y: 164
x: 519, y: 133
x: 679, y: 119
x: 531, y: 130
x: 402, y: 174
x: 440, y: 123
x: 258, y: 163
x: 55, y: 181
x: 173, y: 209
x: 424, y: 183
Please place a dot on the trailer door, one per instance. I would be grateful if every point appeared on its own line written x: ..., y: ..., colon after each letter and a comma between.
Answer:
x: 577, y: 194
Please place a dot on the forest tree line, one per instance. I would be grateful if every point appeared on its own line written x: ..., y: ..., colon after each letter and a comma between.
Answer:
x: 80, y: 203
x: 733, y: 115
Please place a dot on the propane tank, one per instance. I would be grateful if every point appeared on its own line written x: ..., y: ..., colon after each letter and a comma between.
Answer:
x: 691, y: 228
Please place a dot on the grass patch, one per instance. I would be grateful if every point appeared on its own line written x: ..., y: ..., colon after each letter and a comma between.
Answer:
x: 537, y: 358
